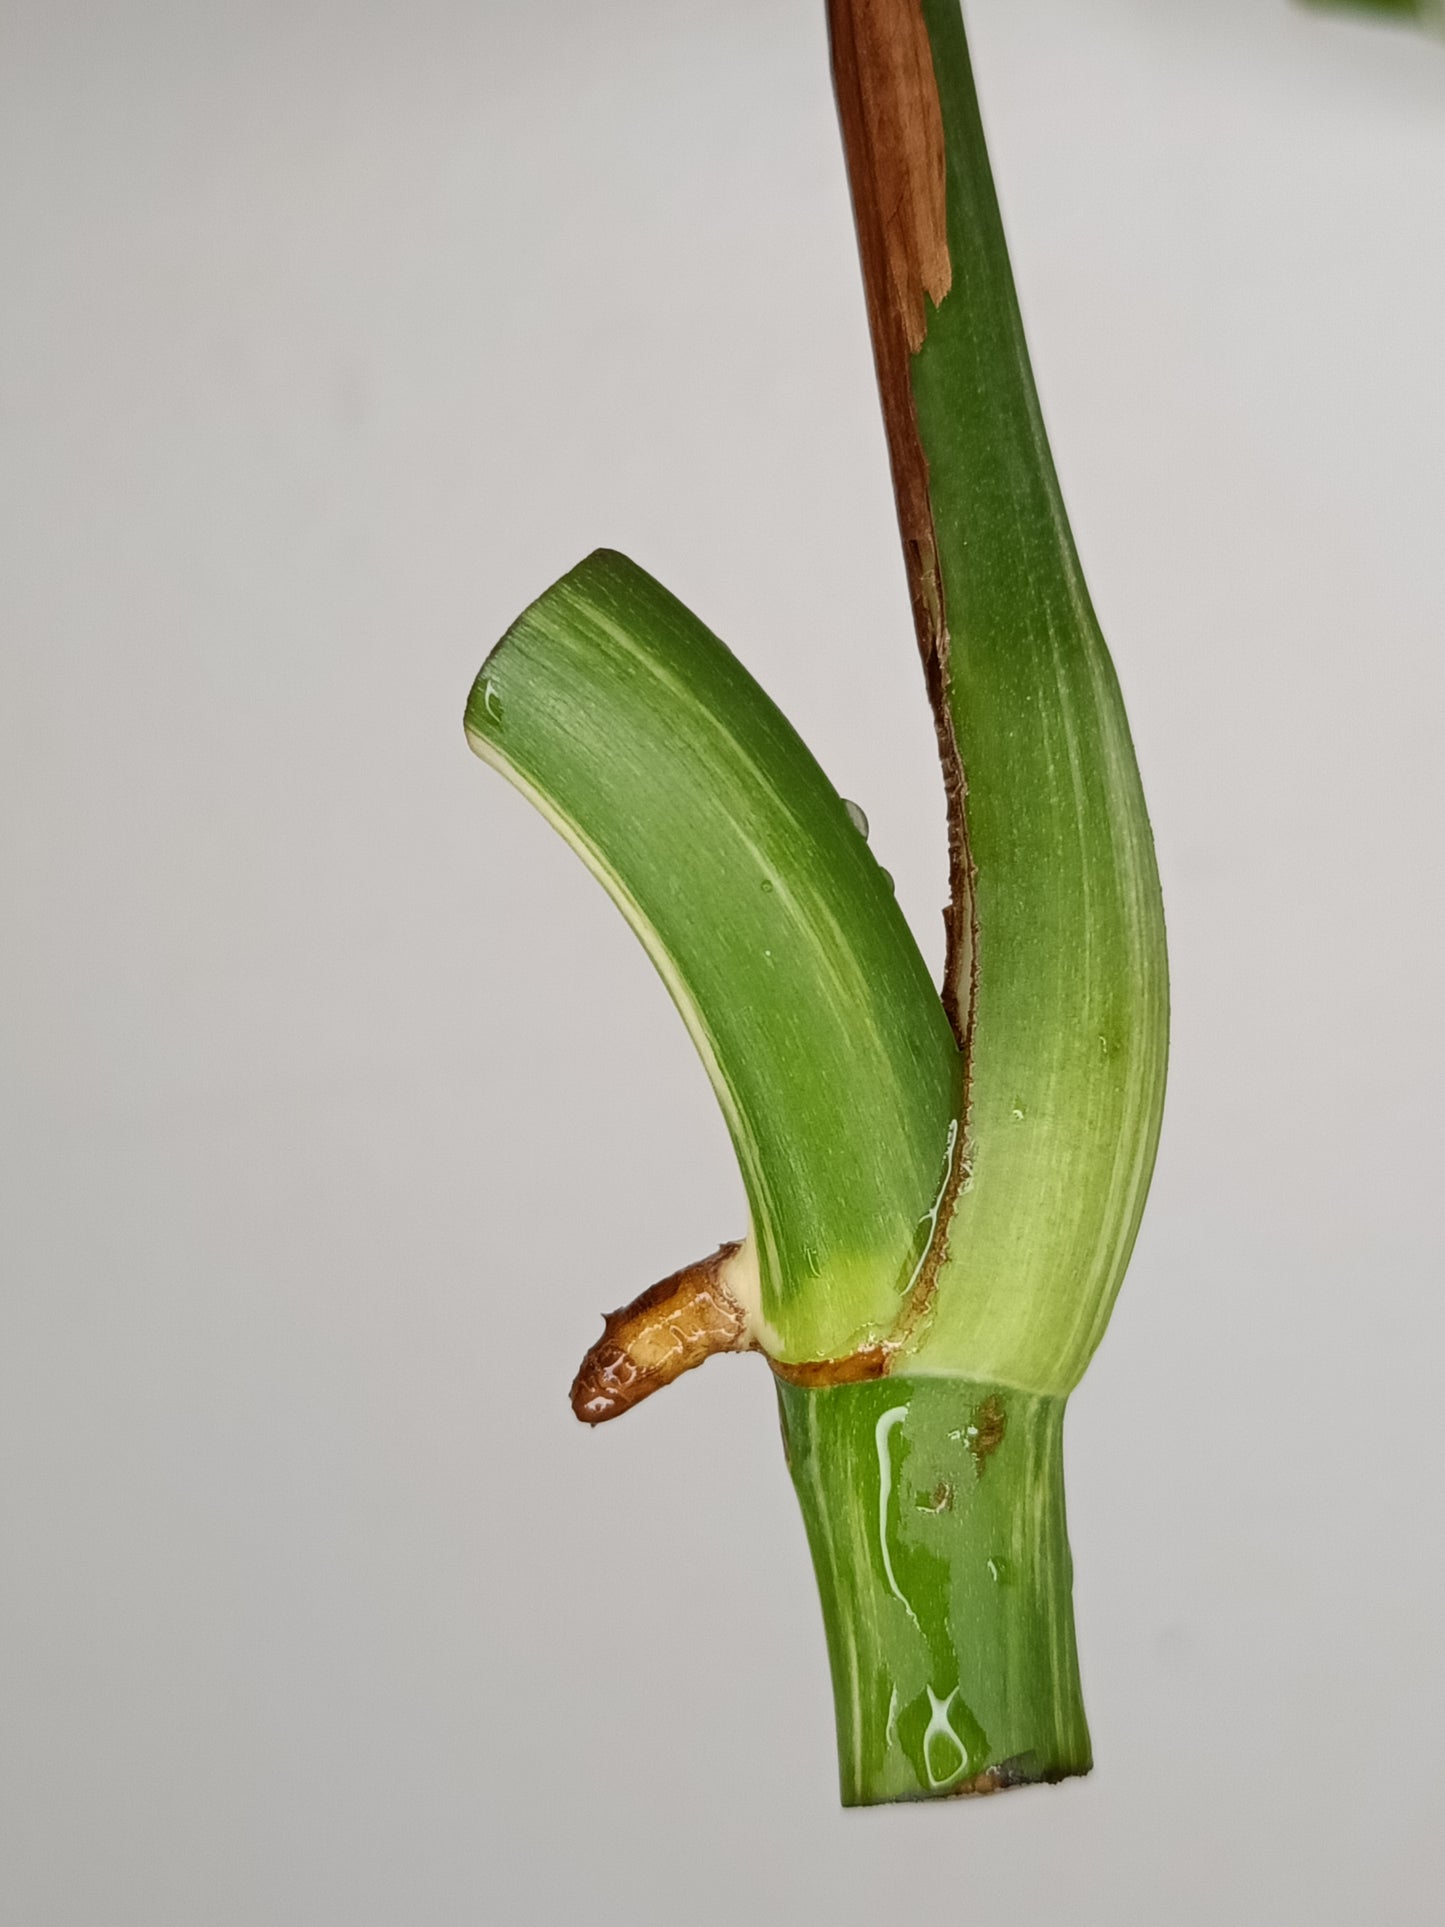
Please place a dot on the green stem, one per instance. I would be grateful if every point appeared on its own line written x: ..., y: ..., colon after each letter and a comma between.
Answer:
x: 935, y: 1513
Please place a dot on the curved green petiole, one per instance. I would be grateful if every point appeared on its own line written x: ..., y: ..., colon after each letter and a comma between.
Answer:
x: 696, y: 804
x: 1058, y: 980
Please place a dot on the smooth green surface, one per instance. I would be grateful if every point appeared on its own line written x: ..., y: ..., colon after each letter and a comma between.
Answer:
x: 698, y: 806
x: 935, y: 1514
x: 1070, y: 1024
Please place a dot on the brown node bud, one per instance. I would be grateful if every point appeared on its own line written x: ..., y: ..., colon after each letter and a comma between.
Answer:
x: 673, y: 1326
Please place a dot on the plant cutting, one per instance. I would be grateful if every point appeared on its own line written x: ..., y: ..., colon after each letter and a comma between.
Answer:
x: 943, y: 1183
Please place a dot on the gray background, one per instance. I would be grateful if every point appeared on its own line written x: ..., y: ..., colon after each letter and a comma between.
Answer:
x: 338, y: 1101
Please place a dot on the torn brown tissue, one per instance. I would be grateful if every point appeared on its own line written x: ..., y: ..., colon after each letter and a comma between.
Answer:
x: 852, y: 1369
x: 898, y: 138
x: 893, y: 139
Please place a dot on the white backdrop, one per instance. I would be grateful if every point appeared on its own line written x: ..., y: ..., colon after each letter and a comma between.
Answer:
x: 338, y: 1101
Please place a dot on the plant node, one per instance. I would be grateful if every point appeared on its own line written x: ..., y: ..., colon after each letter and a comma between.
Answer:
x: 673, y: 1326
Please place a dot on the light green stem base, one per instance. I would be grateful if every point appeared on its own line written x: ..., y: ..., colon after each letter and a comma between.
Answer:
x: 935, y: 1513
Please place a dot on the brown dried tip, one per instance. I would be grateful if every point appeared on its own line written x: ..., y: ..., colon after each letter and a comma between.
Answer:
x: 671, y: 1328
